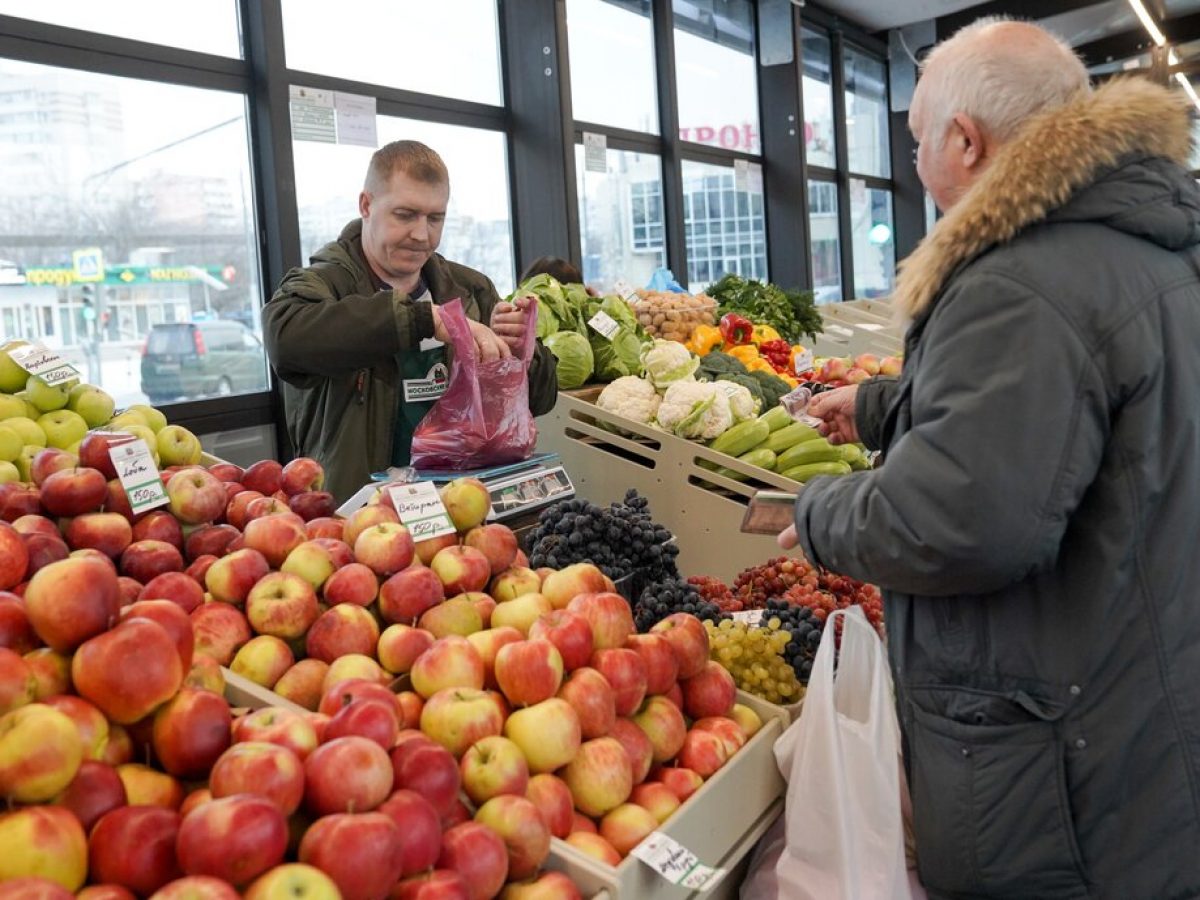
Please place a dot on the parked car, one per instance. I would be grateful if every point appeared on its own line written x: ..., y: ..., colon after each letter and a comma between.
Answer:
x: 186, y: 360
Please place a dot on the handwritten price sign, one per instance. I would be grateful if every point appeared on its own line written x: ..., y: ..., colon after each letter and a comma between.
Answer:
x: 676, y: 863
x: 421, y: 510
x: 44, y: 363
x: 138, y: 475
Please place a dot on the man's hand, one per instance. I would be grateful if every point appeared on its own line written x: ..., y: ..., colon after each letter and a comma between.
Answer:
x: 509, y: 321
x: 835, y: 409
x: 787, y: 538
x: 488, y: 344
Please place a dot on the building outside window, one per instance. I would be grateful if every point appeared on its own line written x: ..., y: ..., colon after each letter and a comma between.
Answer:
x: 724, y: 227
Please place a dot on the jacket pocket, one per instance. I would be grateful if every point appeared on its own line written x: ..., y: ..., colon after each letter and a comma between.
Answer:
x: 990, y: 810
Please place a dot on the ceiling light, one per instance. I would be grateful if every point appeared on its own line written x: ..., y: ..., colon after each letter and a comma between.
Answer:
x: 1149, y: 23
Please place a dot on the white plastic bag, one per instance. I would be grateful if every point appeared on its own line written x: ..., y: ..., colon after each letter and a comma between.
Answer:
x: 845, y: 834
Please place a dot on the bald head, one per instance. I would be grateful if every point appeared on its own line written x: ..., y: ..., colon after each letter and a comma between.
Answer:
x: 976, y: 91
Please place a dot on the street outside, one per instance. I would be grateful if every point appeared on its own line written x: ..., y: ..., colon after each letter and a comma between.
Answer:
x: 119, y: 370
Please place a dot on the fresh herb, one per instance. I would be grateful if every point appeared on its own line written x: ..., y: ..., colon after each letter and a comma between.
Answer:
x: 792, y: 313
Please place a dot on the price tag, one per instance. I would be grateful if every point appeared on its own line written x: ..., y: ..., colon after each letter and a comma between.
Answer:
x: 595, y: 152
x: 676, y: 863
x: 605, y: 324
x: 751, y: 617
x: 139, y: 475
x: 802, y: 361
x: 421, y: 510
x: 44, y: 363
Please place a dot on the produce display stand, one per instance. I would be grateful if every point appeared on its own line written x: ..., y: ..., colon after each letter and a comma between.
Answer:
x: 703, y: 507
x: 859, y: 326
x: 720, y: 824
x: 244, y: 693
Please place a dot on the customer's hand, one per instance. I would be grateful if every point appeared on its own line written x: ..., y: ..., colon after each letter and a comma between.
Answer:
x: 488, y: 344
x: 787, y: 538
x: 835, y: 409
x: 509, y: 321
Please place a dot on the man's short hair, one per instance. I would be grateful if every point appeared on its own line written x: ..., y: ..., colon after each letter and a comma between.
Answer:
x: 413, y: 158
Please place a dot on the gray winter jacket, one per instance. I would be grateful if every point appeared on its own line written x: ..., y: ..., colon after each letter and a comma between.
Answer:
x: 1036, y: 525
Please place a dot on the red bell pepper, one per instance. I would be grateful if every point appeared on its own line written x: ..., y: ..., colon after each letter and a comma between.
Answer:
x: 777, y: 353
x: 736, y: 329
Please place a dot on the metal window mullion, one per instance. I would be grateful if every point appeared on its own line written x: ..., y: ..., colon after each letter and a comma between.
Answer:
x: 842, y: 158
x: 668, y: 128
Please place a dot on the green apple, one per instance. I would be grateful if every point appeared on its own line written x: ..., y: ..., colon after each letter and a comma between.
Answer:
x: 10, y: 444
x: 24, y: 461
x: 128, y: 417
x: 144, y: 432
x: 178, y: 447
x: 12, y: 407
x: 8, y: 472
x: 29, y: 430
x: 63, y: 428
x: 12, y: 376
x: 96, y: 406
x: 45, y: 397
x: 154, y: 418
x: 31, y: 411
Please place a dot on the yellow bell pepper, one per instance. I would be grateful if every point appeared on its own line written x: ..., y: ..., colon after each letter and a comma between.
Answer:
x: 761, y: 365
x: 763, y: 333
x: 746, y: 353
x: 704, y: 339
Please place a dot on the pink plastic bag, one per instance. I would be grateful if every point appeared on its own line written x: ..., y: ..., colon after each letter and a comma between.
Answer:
x: 483, y: 419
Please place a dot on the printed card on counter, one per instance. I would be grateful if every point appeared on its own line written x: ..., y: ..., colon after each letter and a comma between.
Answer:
x: 138, y: 475
x: 676, y: 863
x: 751, y: 617
x: 421, y: 510
x: 44, y: 363
x: 605, y: 324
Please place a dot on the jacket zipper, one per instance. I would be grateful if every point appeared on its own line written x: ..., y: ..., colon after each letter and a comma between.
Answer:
x: 360, y: 383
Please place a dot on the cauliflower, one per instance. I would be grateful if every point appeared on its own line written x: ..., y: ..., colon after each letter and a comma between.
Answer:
x: 742, y: 403
x: 667, y: 362
x: 631, y: 397
x: 696, y: 410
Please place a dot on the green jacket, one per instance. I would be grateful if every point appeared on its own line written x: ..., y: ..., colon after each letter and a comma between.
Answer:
x: 332, y: 338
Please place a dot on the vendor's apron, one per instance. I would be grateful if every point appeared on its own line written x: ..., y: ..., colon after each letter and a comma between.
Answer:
x: 424, y: 376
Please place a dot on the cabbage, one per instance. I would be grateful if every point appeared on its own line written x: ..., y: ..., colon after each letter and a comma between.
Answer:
x: 623, y: 354
x: 574, y: 355
x: 555, y: 310
x: 667, y: 362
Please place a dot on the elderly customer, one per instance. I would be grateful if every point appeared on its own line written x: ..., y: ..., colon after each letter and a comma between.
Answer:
x: 1036, y: 525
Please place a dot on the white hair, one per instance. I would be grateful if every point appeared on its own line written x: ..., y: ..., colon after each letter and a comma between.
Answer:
x: 999, y: 72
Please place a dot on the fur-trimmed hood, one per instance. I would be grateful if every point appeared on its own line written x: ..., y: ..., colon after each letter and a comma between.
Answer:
x: 1054, y: 156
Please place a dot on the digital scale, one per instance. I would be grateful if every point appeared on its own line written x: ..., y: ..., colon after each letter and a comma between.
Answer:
x: 517, y: 489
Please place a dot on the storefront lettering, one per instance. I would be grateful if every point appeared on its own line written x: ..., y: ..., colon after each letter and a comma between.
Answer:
x: 731, y: 137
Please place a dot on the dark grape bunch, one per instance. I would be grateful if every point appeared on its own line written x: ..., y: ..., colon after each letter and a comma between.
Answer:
x: 804, y: 627
x: 618, y: 539
x: 662, y: 598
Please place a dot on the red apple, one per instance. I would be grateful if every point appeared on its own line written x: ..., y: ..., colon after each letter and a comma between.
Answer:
x: 108, y: 532
x: 302, y: 474
x: 227, y: 471
x: 355, y: 690
x: 747, y: 720
x: 528, y: 672
x: 342, y: 630
x: 520, y: 825
x: 608, y: 614
x: 482, y: 602
x: 265, y: 476
x: 626, y: 672
x: 407, y: 594
x: 710, y: 693
x: 491, y: 767
x: 458, y: 814
x: 119, y: 749
x: 205, y: 675
x: 274, y: 536
x: 627, y: 826
x: 89, y: 721
x: 234, y: 838
x: 238, y: 508
x: 232, y: 577
x: 34, y: 524
x: 496, y: 542
x: 592, y: 698
x: 282, y: 605
x: 420, y: 765
x: 730, y: 733
x: 219, y: 629
x: 101, y: 672
x: 410, y: 704
x: 595, y: 846
x: 198, y: 570
x: 324, y: 526
x: 661, y: 665
x: 458, y: 717
x: 552, y: 798
x: 703, y: 752
x: 663, y: 725
x: 599, y: 777
x: 373, y: 719
x: 479, y: 855
x: 42, y: 550
x: 71, y: 600
x: 142, y: 560
x: 637, y: 747
x: 72, y: 492
x: 190, y: 732
x: 93, y: 450
x: 451, y: 662
x: 347, y: 774
x: 18, y: 685
x: 175, y: 587
x: 488, y: 644
x: 303, y: 683
x: 209, y: 539
x: 467, y: 501
x: 43, y: 844
x: 49, y: 461
x: 563, y: 586
x: 264, y: 660
x: 418, y: 823
x: 455, y: 616
x: 428, y: 549
x: 569, y: 632
x: 95, y: 790
x: 547, y: 886
x: 400, y: 645
x: 366, y: 517
x: 196, y: 496
x: 353, y: 583
x: 582, y: 824
x: 438, y: 884
x: 159, y: 525
x: 40, y: 753
x: 145, y: 786
x: 461, y: 569
x: 256, y: 767
x: 107, y: 892
x: 362, y: 853
x: 18, y: 500
x: 16, y: 633
x: 275, y: 725
x: 310, y: 505
x: 656, y: 798
x: 172, y: 618
x: 688, y: 638
x: 131, y: 589
x: 548, y: 734
x: 134, y: 847
x: 385, y: 548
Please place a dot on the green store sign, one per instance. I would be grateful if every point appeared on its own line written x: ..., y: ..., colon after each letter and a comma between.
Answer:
x: 64, y: 276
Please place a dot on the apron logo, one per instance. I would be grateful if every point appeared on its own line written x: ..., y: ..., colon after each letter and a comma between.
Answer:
x: 429, y: 388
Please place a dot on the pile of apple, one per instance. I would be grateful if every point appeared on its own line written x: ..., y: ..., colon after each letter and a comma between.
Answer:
x: 839, y: 371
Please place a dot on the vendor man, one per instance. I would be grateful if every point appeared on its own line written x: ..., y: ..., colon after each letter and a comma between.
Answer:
x: 357, y: 337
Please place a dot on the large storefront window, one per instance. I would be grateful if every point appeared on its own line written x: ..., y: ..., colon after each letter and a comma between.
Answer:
x: 874, y: 246
x: 819, y: 134
x: 717, y: 83
x: 724, y: 226
x: 866, y: 114
x: 127, y: 234
x: 611, y: 47
x: 825, y: 240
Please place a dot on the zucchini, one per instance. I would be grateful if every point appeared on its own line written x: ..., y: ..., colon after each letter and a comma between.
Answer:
x: 789, y: 436
x: 806, y: 471
x: 849, y: 453
x: 816, y: 451
x: 776, y: 417
x: 741, y: 438
x: 764, y: 459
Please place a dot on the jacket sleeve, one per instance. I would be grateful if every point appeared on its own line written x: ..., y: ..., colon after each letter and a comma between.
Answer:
x: 313, y: 328
x: 870, y: 409
x: 978, y: 492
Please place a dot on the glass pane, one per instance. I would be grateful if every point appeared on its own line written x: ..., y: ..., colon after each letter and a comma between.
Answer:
x: 825, y: 241
x: 867, y: 114
x: 715, y: 73
x: 478, y: 232
x: 611, y: 46
x: 620, y: 218
x: 115, y: 223
x: 211, y: 25
x: 727, y: 236
x: 874, y: 246
x: 818, y: 99
x: 449, y: 48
